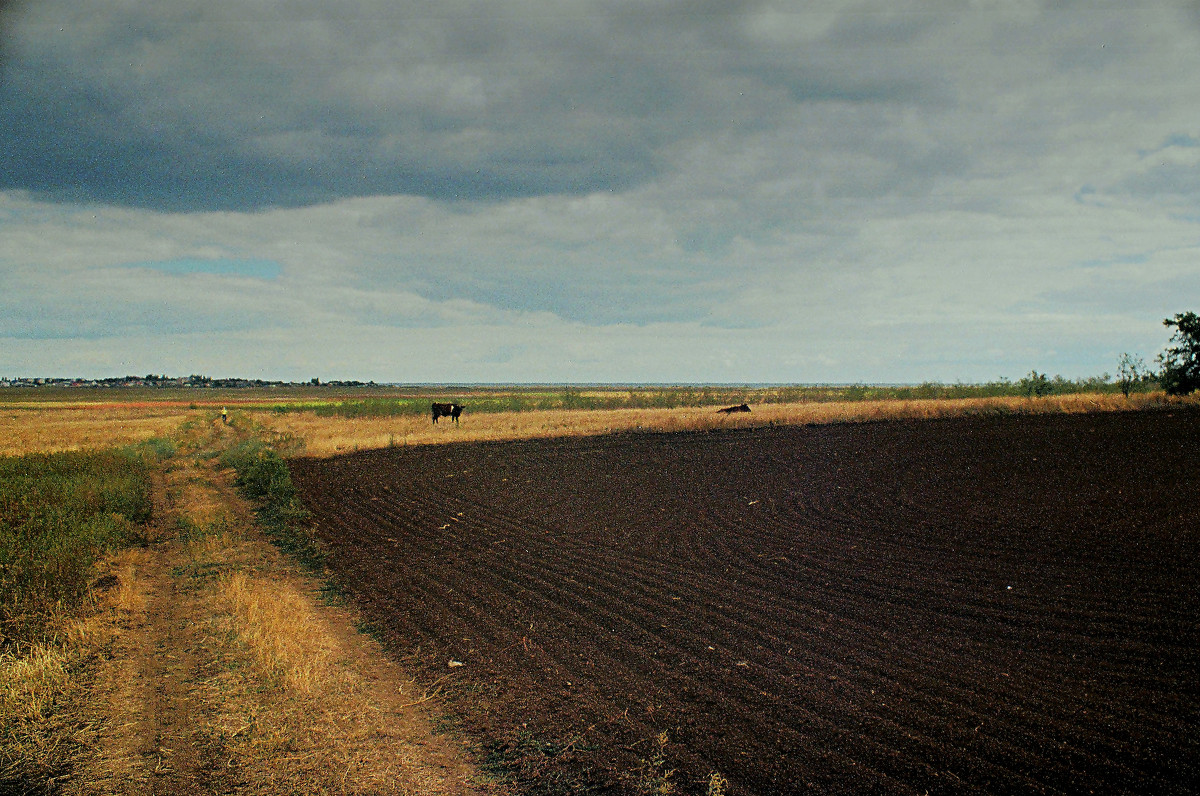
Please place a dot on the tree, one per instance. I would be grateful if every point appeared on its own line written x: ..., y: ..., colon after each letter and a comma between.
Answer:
x: 1181, y: 361
x: 1130, y: 370
x: 1035, y: 385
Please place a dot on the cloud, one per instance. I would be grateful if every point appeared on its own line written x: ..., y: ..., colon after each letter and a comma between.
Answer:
x: 196, y: 105
x: 112, y: 303
x: 708, y: 191
x: 193, y: 105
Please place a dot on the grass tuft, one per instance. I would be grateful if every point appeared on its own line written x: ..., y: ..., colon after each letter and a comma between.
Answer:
x: 33, y: 744
x: 717, y: 784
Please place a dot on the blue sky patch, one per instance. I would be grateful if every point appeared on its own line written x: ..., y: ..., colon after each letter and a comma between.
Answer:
x: 255, y: 269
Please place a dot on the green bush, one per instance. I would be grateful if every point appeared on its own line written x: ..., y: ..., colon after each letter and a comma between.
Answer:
x: 1181, y: 361
x: 1037, y: 385
x: 263, y: 476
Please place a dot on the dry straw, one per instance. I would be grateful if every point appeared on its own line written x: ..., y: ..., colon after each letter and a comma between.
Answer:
x: 328, y: 436
x: 279, y: 626
x: 64, y: 428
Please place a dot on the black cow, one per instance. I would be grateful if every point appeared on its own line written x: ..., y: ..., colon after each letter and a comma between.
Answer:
x: 731, y: 409
x: 451, y: 411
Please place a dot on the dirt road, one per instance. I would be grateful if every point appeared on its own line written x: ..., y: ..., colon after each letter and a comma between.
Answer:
x: 203, y: 685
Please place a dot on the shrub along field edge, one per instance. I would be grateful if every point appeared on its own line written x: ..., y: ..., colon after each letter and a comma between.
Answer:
x: 263, y: 476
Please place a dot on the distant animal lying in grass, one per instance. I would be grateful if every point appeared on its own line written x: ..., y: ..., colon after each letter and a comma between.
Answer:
x: 451, y: 411
x: 731, y: 409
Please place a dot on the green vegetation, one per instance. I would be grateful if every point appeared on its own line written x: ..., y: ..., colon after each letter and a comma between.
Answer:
x: 1036, y: 385
x: 537, y: 765
x: 263, y: 476
x: 59, y: 513
x: 653, y: 778
x: 1131, y: 372
x: 1181, y: 361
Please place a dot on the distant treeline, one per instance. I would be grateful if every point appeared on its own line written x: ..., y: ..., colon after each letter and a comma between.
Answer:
x: 484, y: 399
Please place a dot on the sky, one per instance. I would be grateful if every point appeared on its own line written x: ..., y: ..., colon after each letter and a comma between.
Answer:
x: 596, y: 190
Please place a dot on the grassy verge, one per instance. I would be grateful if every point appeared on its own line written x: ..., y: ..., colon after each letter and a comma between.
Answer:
x: 59, y: 514
x: 292, y: 700
x: 262, y: 475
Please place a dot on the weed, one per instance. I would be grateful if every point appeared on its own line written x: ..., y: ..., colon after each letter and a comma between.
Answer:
x: 538, y: 765
x: 332, y: 594
x: 368, y: 628
x: 189, y: 531
x: 652, y: 777
x: 716, y: 784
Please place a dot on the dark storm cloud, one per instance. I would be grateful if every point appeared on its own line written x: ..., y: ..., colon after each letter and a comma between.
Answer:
x: 188, y: 105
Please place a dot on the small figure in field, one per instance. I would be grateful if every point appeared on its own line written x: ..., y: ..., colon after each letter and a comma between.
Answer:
x: 451, y: 411
x: 731, y: 409
x: 224, y: 416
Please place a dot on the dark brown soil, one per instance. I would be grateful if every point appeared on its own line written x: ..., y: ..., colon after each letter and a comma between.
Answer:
x: 986, y: 605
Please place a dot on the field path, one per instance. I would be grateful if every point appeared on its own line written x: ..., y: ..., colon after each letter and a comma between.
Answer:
x: 170, y: 654
x: 183, y: 702
x: 145, y: 695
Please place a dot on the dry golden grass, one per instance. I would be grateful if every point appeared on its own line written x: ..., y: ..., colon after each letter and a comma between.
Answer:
x: 294, y: 700
x: 329, y: 436
x: 58, y: 427
x: 301, y: 705
x: 43, y: 689
x: 129, y: 595
x: 31, y: 688
x: 279, y: 625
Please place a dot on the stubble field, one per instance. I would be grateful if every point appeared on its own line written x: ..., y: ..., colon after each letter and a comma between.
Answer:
x: 964, y: 605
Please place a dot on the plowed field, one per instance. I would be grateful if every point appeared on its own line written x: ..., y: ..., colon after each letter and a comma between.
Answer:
x: 989, y: 605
